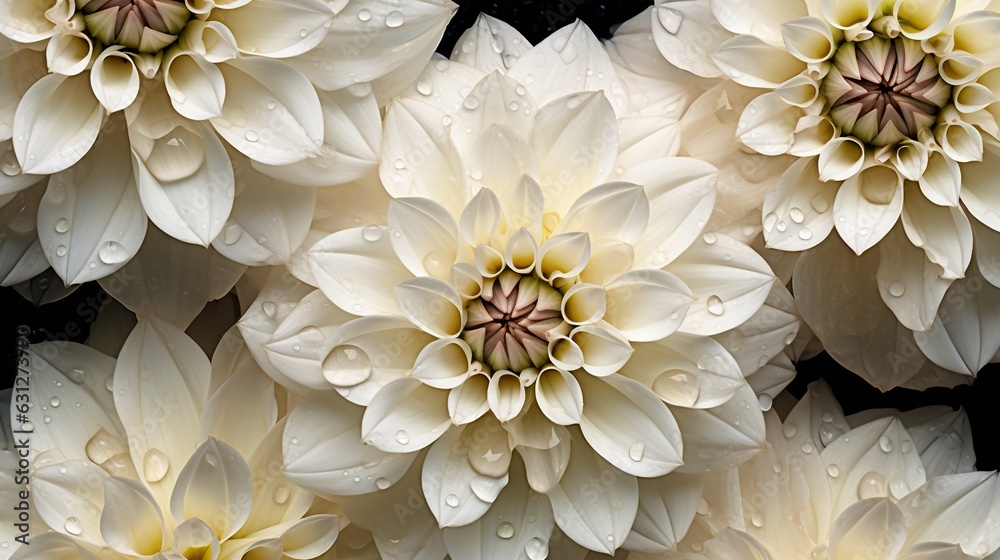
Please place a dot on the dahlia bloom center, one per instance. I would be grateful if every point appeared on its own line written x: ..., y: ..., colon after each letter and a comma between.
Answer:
x: 883, y: 91
x: 146, y: 26
x: 507, y: 324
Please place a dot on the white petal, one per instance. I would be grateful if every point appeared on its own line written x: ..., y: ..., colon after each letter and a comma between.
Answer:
x: 867, y: 207
x: 357, y: 269
x: 456, y: 493
x: 424, y: 236
x: 559, y: 66
x: 987, y: 241
x: 563, y: 256
x: 160, y: 383
x: 566, y: 128
x: 487, y: 105
x: 186, y: 183
x: 809, y: 39
x: 519, y: 524
x: 215, y: 486
x: 615, y: 210
x: 590, y: 487
x: 842, y: 158
x: 278, y: 28
x: 873, y: 345
x: 960, y: 338
x: 132, y: 522
x: 352, y: 137
x: 241, y: 411
x: 172, y: 280
x: 686, y: 370
x: 629, y: 426
x: 870, y: 462
x: 505, y: 395
x: 911, y: 286
x: 279, y: 500
x: 847, y: 14
x: 269, y: 221
x: 418, y: 158
x: 559, y: 396
x: 688, y: 46
x: 646, y: 305
x: 302, y: 345
x: 801, y: 203
x: 729, y: 281
x: 433, y: 305
x: 490, y: 44
x: 976, y: 178
x: 681, y: 194
x: 941, y: 181
x: 443, y: 364
x: 954, y: 508
x: 923, y: 22
x: 322, y: 441
x: 26, y: 22
x: 114, y: 79
x: 761, y: 19
x: 722, y: 437
x: 944, y: 234
x: 667, y: 506
x: 751, y: 62
x: 286, y: 134
x: 405, y: 416
x: 197, y: 88
x: 765, y: 335
x: 71, y: 490
x: 56, y: 123
x: 866, y: 522
x: 196, y: 534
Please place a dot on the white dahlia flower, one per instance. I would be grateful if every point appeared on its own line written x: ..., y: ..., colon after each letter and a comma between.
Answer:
x: 878, y: 484
x: 121, y: 109
x: 823, y: 115
x: 521, y: 298
x: 160, y: 454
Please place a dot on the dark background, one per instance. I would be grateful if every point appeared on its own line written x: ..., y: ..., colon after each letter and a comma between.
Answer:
x: 68, y: 318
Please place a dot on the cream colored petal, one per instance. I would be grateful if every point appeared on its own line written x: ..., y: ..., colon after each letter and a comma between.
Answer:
x: 496, y: 100
x: 455, y: 492
x: 943, y: 233
x: 321, y: 441
x: 809, y: 39
x: 197, y: 88
x: 69, y: 53
x: 590, y: 487
x: 277, y: 499
x: 924, y: 21
x: 490, y: 44
x: 762, y: 20
x: 241, y: 411
x: 941, y: 181
x: 721, y: 437
x: 69, y: 497
x: 728, y: 279
x: 278, y: 28
x: 667, y: 506
x: 132, y: 522
x: 405, y: 416
x: 56, y: 123
x: 423, y: 235
x: 215, y: 485
x: 768, y: 125
x: 848, y: 14
x: 646, y: 305
x: 172, y: 280
x: 796, y: 211
x: 688, y: 46
x: 751, y: 62
x: 867, y: 207
x: 910, y: 284
x: 160, y: 385
x: 841, y: 159
x: 559, y: 66
x: 614, y: 210
x: 25, y: 22
x: 603, y: 350
x: 433, y: 305
x: 467, y: 402
x: 115, y: 80
x: 873, y: 528
x: 954, y: 508
x: 286, y: 134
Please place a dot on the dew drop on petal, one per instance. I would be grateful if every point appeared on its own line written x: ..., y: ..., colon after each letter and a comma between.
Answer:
x: 155, y: 465
x: 281, y: 494
x: 365, y: 14
x: 819, y: 204
x: 715, y: 305
x: 906, y: 446
x: 871, y: 485
x: 897, y: 288
x: 833, y: 471
x: 270, y: 308
x: 765, y: 402
x: 805, y: 234
x: 72, y: 526
x: 395, y: 18
x: 796, y: 215
x: 402, y: 437
x: 382, y: 483
x: 113, y: 252
x: 536, y: 549
x: 62, y: 225
x: 61, y: 251
x: 424, y: 88
x: 311, y: 335
x: 636, y: 450
x: 808, y: 447
x: 232, y: 234
x: 885, y: 443
x: 757, y: 519
x: 505, y: 530
x: 789, y: 430
x: 54, y: 402
x: 451, y: 500
x: 769, y: 220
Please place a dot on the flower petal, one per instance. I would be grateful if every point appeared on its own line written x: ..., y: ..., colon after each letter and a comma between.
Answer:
x: 279, y: 500
x: 647, y: 304
x: 954, y: 508
x: 56, y: 123
x: 214, y: 485
x: 768, y: 125
x: 114, y: 79
x: 241, y: 411
x: 424, y: 236
x: 197, y: 87
x: 286, y: 134
x: 751, y: 62
x: 322, y: 441
x: 800, y: 203
x: 71, y: 492
x: 590, y: 487
x: 455, y: 492
x: 867, y: 522
x: 721, y: 437
x: 278, y: 28
x: 405, y: 416
x: 667, y: 506
x: 132, y: 522
x: 490, y: 44
x: 867, y: 207
x: 761, y: 20
x: 614, y: 210
x: 911, y: 286
x: 688, y: 46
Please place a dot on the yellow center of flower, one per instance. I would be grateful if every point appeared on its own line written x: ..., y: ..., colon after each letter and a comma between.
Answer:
x: 146, y: 26
x: 882, y: 91
x: 507, y: 324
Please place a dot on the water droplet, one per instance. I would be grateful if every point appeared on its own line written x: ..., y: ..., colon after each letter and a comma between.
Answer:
x: 819, y: 204
x: 805, y: 234
x: 303, y: 33
x: 906, y: 446
x: 710, y: 238
x: 505, y: 530
x: 72, y: 526
x: 55, y: 402
x: 46, y: 418
x: 155, y: 465
x: 76, y: 376
x: 833, y: 471
x: 777, y: 467
x: 402, y: 437
x: 399, y: 164
x: 61, y: 251
x: 769, y: 220
x: 424, y: 88
x: 715, y: 305
x: 395, y: 18
x: 808, y: 447
x: 295, y: 441
x: 863, y: 231
x: 757, y: 519
x: 982, y: 549
x: 113, y: 252
x: 371, y: 233
x: 27, y: 426
x: 636, y: 450
x: 252, y: 136
x: 232, y: 234
x: 9, y: 164
x: 262, y: 239
x: 897, y: 288
x: 382, y: 483
x: 471, y: 102
x: 347, y: 366
x: 271, y: 105
x: 281, y: 494
x: 311, y: 335
x: 536, y: 549
x: 270, y: 308
x: 62, y: 225
x: 789, y: 430
x: 827, y: 417
x: 885, y: 443
x: 871, y: 485
x: 365, y: 14
x: 796, y: 215
x: 765, y: 402
x: 451, y: 500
